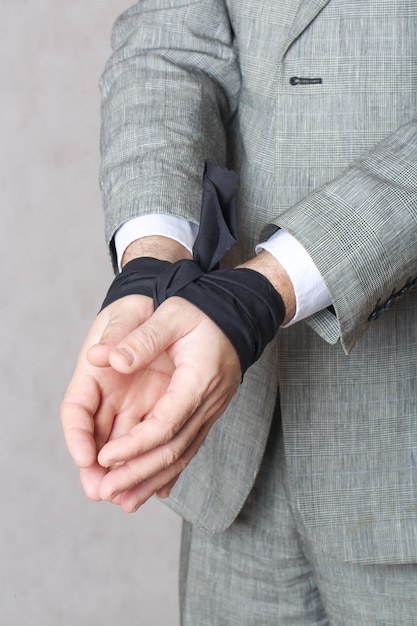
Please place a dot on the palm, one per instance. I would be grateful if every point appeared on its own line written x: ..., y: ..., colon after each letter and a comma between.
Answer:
x: 127, y: 399
x: 100, y: 403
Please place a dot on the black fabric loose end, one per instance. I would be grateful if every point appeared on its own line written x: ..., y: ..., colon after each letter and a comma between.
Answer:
x: 242, y: 302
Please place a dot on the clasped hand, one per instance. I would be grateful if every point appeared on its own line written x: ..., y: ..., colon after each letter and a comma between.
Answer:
x: 145, y: 392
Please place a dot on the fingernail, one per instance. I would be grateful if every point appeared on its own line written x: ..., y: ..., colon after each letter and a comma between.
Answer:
x: 126, y: 354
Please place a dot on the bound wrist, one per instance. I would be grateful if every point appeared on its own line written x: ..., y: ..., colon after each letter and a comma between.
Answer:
x: 266, y: 264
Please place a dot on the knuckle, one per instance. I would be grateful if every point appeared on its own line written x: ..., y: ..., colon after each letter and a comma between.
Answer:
x: 146, y: 339
x: 115, y: 320
x: 170, y: 430
x: 169, y: 456
x: 167, y: 428
x: 113, y: 331
x: 180, y: 465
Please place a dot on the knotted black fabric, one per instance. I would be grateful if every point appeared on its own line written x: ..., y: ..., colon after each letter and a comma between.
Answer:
x: 242, y: 302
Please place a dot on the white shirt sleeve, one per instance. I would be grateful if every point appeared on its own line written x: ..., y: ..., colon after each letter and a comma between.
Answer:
x: 177, y: 228
x: 310, y: 290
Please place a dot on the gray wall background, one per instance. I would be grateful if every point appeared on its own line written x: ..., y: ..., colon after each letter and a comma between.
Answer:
x: 63, y: 560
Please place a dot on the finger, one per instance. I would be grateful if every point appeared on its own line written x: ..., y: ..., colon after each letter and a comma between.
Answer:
x: 122, y: 317
x: 104, y: 419
x: 91, y: 479
x: 189, y: 394
x: 77, y: 416
x: 131, y: 400
x: 165, y: 491
x: 168, y: 458
x: 174, y: 319
x: 181, y: 400
x: 135, y: 497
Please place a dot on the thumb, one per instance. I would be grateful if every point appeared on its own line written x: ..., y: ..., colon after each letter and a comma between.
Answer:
x: 118, y: 320
x: 174, y: 319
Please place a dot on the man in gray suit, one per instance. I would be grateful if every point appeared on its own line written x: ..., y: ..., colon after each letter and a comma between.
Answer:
x: 300, y: 507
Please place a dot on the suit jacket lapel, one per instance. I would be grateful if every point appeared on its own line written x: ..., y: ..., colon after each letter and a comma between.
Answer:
x: 307, y: 12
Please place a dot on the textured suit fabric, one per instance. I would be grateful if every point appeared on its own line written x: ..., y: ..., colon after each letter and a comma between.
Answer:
x: 333, y: 161
x: 264, y: 569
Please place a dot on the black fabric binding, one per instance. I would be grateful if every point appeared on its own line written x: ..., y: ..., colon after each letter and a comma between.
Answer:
x: 242, y: 302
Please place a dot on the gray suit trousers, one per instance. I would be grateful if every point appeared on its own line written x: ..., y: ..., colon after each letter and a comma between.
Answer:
x: 264, y: 569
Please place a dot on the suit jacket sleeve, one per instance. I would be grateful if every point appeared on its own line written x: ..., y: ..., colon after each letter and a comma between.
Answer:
x: 361, y: 231
x: 168, y: 92
x: 171, y: 90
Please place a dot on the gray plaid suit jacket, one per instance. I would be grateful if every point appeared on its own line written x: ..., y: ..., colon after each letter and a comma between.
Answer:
x: 314, y: 102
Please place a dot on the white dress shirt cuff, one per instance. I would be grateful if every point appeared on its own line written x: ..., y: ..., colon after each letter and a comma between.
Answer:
x: 310, y: 290
x: 311, y: 293
x: 181, y: 230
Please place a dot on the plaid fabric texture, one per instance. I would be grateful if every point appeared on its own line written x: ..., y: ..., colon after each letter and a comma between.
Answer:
x: 313, y: 102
